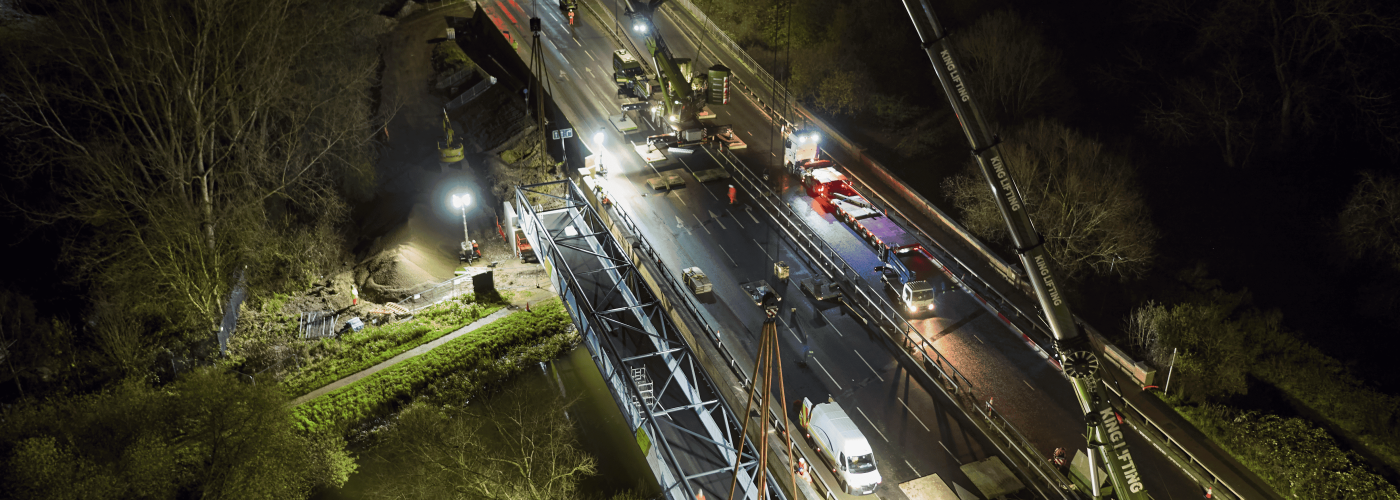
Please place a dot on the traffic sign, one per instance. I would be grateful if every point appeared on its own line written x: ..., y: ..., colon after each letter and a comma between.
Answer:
x: 566, y: 132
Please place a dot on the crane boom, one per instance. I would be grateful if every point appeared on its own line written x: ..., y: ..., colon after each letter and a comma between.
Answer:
x: 679, y: 99
x: 1105, y: 433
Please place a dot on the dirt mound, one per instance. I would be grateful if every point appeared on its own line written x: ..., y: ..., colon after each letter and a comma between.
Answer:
x: 409, y: 259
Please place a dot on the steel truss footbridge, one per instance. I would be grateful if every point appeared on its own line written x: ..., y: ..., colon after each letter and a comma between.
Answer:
x: 682, y: 422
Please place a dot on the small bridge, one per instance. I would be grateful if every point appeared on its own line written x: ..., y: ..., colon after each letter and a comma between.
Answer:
x: 682, y: 423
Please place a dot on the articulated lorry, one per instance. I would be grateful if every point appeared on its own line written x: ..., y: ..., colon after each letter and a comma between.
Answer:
x: 842, y: 445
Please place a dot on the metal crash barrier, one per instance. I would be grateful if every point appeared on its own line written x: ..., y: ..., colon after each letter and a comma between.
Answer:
x: 681, y: 421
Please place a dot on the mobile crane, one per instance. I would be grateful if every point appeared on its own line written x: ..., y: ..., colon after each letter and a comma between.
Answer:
x: 1075, y: 354
x: 682, y: 97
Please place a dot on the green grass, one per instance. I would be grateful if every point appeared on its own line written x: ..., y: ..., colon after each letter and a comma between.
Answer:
x: 376, y: 344
x: 477, y: 359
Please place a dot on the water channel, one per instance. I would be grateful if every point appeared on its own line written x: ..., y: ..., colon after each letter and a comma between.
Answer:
x: 598, y: 425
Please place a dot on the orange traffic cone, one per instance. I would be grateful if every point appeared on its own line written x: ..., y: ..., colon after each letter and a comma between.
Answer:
x: 527, y: 307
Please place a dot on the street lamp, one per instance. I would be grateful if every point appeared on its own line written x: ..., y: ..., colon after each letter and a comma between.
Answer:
x: 461, y: 201
x: 599, y: 139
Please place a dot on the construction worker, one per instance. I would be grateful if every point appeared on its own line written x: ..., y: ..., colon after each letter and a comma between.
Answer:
x: 476, y: 250
x: 732, y: 192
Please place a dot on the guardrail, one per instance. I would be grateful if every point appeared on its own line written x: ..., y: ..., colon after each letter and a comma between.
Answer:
x: 1176, y: 453
x: 888, y: 320
x: 687, y: 301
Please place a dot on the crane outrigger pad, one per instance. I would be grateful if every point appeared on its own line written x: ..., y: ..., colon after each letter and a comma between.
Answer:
x: 713, y: 174
x: 992, y: 477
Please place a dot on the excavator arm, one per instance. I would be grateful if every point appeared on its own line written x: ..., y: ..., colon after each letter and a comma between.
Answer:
x: 1076, y: 356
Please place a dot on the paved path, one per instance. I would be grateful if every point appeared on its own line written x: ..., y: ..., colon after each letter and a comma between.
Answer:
x: 405, y: 355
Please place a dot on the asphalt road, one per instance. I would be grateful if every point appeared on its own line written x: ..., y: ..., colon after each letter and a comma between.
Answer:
x: 913, y: 432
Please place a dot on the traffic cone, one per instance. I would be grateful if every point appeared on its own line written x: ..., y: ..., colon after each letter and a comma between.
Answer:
x: 527, y: 307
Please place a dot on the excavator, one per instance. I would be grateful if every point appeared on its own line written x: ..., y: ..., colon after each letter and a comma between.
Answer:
x: 1107, y: 446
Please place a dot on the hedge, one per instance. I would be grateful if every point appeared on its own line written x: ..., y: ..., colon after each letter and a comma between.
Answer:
x: 489, y: 353
x: 376, y: 344
x: 1296, y: 458
x: 1325, y: 385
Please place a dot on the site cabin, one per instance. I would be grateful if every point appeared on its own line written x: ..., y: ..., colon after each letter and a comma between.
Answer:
x: 696, y: 280
x: 841, y: 445
x: 515, y: 236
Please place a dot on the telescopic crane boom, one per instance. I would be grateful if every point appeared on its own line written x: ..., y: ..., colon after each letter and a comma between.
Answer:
x: 681, y: 106
x: 1105, y: 435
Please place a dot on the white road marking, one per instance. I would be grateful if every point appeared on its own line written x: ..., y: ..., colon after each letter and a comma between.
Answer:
x: 765, y: 251
x: 911, y: 467
x: 580, y: 44
x: 678, y: 197
x: 950, y: 452
x: 828, y: 374
x: 979, y: 339
x: 1028, y: 384
x: 726, y: 254
x: 833, y: 325
x: 702, y: 224
x: 590, y: 55
x: 736, y: 219
x: 911, y: 412
x: 749, y: 132
x: 750, y: 212
x: 862, y: 359
x: 872, y: 424
x: 715, y: 218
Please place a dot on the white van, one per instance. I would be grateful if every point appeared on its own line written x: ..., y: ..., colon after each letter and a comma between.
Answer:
x: 842, y: 445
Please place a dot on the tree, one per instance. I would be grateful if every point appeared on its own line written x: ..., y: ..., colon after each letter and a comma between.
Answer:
x: 507, y: 447
x: 1013, y: 73
x: 207, y: 435
x: 1307, y: 66
x: 182, y: 140
x: 1084, y: 200
x: 1211, y: 340
x: 1369, y: 223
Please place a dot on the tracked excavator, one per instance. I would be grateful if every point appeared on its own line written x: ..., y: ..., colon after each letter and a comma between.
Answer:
x: 1107, y: 446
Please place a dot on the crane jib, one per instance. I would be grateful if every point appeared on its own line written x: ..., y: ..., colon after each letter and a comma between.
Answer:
x: 1074, y: 351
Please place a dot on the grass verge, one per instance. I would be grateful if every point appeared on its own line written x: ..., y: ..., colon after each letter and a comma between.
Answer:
x: 484, y: 356
x: 376, y: 344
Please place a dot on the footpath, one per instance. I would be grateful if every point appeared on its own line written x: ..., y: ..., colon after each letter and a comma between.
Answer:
x: 333, y: 386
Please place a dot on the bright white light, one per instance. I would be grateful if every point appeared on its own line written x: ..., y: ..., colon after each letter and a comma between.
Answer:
x: 913, y: 308
x: 815, y: 137
x: 930, y: 307
x: 459, y: 201
x: 598, y: 137
x: 673, y: 118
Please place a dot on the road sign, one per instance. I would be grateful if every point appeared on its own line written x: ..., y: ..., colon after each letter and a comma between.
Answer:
x: 566, y: 132
x: 556, y: 135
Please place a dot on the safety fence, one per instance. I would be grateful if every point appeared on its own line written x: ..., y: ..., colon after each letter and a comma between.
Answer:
x: 472, y: 93
x: 437, y: 294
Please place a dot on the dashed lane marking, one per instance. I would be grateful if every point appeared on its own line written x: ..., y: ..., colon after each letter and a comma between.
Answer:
x: 950, y: 452
x: 911, y: 412
x: 702, y: 224
x: 872, y: 424
x: 862, y: 358
x: 828, y: 374
x: 726, y: 254
x: 590, y: 55
x: 765, y: 250
x: 1028, y: 384
x: 911, y: 467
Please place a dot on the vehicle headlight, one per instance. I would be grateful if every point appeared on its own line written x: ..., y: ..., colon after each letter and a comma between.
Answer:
x: 930, y: 307
x: 672, y: 118
x: 913, y: 308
